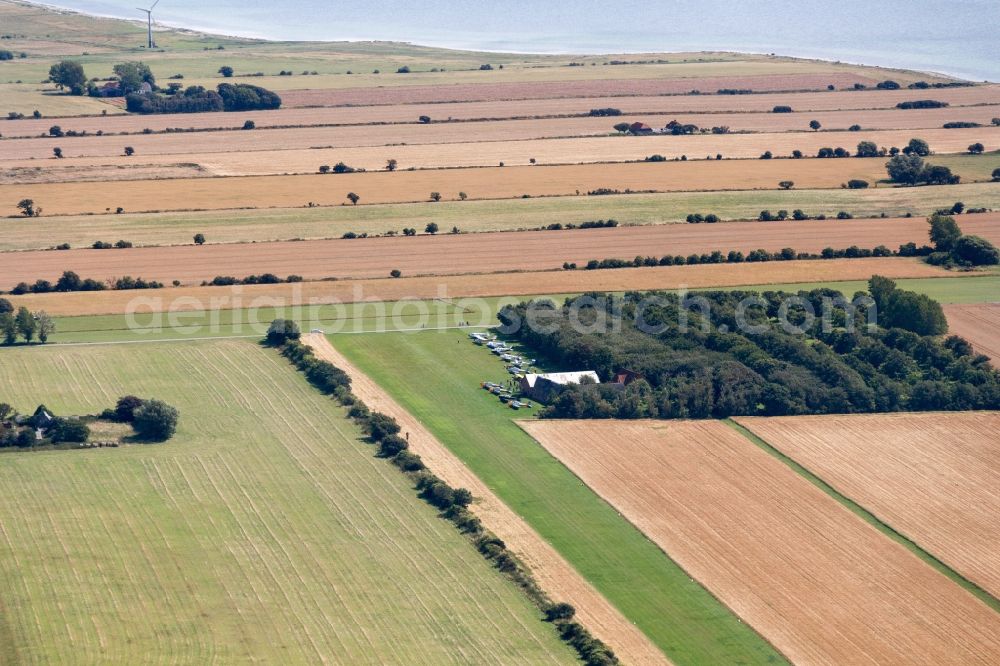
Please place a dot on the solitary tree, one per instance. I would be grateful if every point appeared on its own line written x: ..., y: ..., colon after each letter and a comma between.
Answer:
x: 977, y: 148
x: 391, y: 165
x: 56, y: 130
x: 67, y: 74
x: 129, y: 151
x: 57, y: 151
x: 996, y: 175
x: 355, y: 198
x: 622, y: 127
x: 814, y: 125
x: 27, y: 208
x: 435, y: 196
x: 786, y: 184
x: 431, y: 228
x: 226, y: 71
x: 199, y: 239
x: 463, y: 196
x: 425, y: 119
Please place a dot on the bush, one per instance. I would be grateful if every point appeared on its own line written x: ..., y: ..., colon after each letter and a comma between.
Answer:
x: 282, y: 330
x: 781, y: 109
x: 922, y: 104
x: 976, y: 149
x: 155, y: 421
x: 245, y: 97
x: 976, y: 251
x: 857, y: 184
x: 390, y: 445
x: 379, y: 426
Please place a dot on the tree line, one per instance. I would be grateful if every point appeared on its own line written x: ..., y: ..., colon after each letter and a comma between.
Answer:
x: 714, y: 367
x: 383, y: 431
x: 24, y: 324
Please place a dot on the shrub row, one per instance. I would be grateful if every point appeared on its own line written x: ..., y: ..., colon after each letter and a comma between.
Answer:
x: 754, y: 256
x: 383, y: 431
x: 264, y: 278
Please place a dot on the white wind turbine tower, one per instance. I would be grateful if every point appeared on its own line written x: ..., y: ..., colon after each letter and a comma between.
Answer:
x: 149, y: 22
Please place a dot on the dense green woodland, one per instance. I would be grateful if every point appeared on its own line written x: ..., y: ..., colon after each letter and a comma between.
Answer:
x: 711, y: 369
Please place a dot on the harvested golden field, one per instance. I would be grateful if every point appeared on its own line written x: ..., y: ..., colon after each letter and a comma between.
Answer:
x: 303, y: 149
x: 99, y: 172
x: 409, y: 186
x: 677, y: 84
x: 815, y: 580
x: 469, y: 253
x: 979, y: 324
x: 835, y: 110
x: 184, y: 299
x: 932, y: 477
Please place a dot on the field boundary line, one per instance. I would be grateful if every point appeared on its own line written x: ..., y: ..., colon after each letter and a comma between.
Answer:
x: 869, y: 517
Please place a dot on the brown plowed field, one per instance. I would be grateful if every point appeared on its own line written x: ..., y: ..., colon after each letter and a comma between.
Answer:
x: 471, y: 253
x: 461, y: 144
x: 836, y: 110
x: 935, y: 478
x: 979, y: 324
x: 408, y: 186
x: 470, y: 92
x: 815, y: 580
x: 470, y: 286
x: 553, y: 573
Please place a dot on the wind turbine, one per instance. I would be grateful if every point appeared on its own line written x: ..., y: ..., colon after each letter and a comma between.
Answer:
x: 149, y: 22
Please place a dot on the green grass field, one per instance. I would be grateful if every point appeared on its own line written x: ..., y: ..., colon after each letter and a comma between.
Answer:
x: 436, y: 376
x: 264, y: 531
x: 475, y: 216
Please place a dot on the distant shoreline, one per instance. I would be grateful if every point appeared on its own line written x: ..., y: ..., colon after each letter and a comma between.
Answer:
x: 453, y: 46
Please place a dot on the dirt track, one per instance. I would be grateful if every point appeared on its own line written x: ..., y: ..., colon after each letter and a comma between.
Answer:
x: 555, y: 576
x: 409, y: 186
x: 471, y: 253
x: 979, y: 324
x: 184, y: 299
x: 931, y: 477
x: 835, y: 110
x: 814, y: 579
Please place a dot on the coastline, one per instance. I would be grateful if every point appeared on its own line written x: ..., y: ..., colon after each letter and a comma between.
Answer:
x: 788, y: 52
